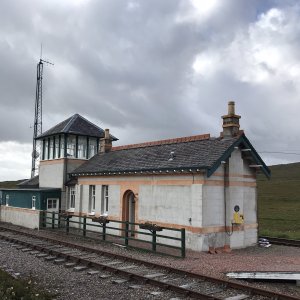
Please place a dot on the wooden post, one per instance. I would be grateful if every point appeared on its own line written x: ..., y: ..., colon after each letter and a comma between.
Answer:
x: 183, y: 243
x: 104, y: 231
x: 53, y: 220
x: 58, y: 221
x: 126, y: 233
x: 84, y: 226
x: 154, y: 241
x: 67, y: 224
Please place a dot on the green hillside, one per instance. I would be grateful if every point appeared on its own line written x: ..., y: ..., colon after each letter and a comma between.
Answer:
x: 10, y: 184
x: 279, y: 202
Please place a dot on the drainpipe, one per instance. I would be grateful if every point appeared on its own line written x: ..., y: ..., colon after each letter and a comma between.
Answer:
x: 225, y: 163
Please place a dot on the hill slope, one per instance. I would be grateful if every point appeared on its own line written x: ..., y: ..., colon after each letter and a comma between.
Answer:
x: 10, y: 184
x: 279, y: 202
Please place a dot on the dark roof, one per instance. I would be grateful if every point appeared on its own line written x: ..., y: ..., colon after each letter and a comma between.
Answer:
x: 76, y: 125
x: 29, y: 183
x: 185, y: 154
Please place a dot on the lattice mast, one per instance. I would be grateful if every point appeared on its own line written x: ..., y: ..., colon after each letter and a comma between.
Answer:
x: 38, y: 109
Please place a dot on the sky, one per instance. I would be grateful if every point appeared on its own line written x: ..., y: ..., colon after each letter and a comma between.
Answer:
x: 151, y: 70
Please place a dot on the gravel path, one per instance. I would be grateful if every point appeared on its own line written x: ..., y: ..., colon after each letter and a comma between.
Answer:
x: 83, y: 286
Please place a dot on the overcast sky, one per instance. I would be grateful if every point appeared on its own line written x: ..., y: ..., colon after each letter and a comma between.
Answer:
x: 151, y: 70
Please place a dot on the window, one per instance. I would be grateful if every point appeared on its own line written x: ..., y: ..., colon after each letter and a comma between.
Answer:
x: 56, y: 147
x: 46, y: 149
x: 92, y: 147
x: 92, y: 205
x: 104, y: 200
x: 7, y: 200
x: 72, y: 197
x: 71, y: 146
x: 62, y: 146
x: 82, y: 147
x: 33, y: 202
x: 51, y: 148
x: 52, y: 204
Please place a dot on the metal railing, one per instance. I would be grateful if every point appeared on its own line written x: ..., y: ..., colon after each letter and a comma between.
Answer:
x: 145, y: 236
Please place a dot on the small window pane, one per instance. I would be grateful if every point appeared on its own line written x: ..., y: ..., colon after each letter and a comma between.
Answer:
x: 46, y: 149
x: 56, y: 146
x: 72, y: 197
x: 92, y: 147
x: 51, y: 148
x: 71, y: 146
x: 82, y: 147
x: 62, y: 146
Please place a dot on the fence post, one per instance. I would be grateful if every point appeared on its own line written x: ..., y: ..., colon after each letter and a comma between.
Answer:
x: 58, y: 221
x: 126, y: 233
x: 84, y: 226
x: 67, y: 224
x: 104, y: 231
x: 53, y: 220
x: 43, y: 218
x: 182, y: 242
x: 154, y: 240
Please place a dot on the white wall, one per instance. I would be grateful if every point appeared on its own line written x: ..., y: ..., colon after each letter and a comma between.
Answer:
x: 171, y: 204
x: 21, y: 216
x: 51, y: 175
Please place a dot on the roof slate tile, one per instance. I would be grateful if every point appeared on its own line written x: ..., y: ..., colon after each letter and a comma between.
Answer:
x: 202, y: 153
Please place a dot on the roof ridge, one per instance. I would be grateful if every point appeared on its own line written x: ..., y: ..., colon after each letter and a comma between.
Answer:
x: 69, y: 124
x: 164, y: 142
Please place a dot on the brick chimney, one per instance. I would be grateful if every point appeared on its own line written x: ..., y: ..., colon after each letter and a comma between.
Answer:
x: 106, y: 142
x: 231, y: 123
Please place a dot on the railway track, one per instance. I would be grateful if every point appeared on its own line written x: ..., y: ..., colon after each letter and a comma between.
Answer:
x: 82, y: 258
x: 280, y: 241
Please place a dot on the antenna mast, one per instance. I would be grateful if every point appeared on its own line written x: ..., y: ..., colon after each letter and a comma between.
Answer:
x: 37, y: 117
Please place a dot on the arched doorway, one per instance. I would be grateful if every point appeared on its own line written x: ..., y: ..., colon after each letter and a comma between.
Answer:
x: 128, y: 210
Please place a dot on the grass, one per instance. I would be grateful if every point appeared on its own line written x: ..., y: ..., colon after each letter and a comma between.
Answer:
x: 10, y: 184
x: 11, y: 288
x: 279, y: 202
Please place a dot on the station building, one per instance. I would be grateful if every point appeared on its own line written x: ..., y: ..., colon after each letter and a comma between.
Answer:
x: 204, y: 184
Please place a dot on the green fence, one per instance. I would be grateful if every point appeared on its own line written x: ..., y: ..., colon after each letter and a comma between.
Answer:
x: 146, y: 236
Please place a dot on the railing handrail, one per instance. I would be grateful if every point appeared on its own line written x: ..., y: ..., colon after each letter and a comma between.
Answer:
x: 150, y: 229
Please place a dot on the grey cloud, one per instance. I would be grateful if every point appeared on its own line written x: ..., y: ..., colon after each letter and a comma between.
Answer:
x: 130, y: 66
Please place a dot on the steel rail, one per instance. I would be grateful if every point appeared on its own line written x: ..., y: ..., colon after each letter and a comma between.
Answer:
x: 229, y: 284
x: 97, y: 265
x: 281, y: 241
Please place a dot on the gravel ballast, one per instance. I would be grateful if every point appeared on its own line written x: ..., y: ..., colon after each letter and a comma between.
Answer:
x: 80, y: 285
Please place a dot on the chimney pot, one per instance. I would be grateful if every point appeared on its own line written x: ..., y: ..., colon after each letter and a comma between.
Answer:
x: 105, y: 142
x: 231, y: 108
x: 106, y: 133
x: 231, y: 122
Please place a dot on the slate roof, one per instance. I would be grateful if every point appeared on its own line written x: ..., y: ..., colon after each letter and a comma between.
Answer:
x: 188, y: 154
x: 76, y: 125
x: 30, y: 183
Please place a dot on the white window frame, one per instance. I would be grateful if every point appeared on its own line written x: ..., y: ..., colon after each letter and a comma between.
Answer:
x: 33, y: 202
x: 46, y: 150
x: 51, y: 148
x: 92, y: 198
x: 92, y: 147
x: 56, y: 147
x: 50, y: 200
x: 71, y: 146
x: 62, y: 146
x: 72, y: 198
x: 82, y: 147
x: 104, y: 199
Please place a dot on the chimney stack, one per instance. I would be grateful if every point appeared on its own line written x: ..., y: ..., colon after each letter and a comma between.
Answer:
x: 231, y: 123
x: 105, y: 142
